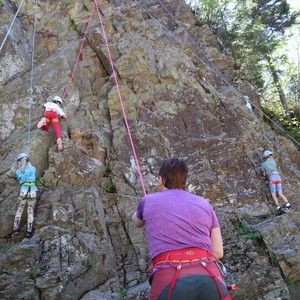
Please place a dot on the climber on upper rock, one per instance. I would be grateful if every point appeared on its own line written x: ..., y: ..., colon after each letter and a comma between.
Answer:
x: 52, y: 114
x: 246, y: 102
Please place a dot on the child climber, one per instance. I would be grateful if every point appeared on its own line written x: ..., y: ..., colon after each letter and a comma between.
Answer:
x: 269, y: 169
x: 52, y: 114
x: 26, y: 177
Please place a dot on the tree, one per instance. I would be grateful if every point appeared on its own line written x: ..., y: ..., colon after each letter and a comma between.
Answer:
x: 252, y: 31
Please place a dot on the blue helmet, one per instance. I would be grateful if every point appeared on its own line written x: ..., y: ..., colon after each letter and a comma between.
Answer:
x: 267, y: 153
x: 246, y: 97
x: 22, y: 155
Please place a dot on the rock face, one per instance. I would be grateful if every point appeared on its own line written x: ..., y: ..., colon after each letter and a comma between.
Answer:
x: 177, y: 103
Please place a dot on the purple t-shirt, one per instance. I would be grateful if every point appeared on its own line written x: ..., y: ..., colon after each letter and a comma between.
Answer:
x: 176, y: 219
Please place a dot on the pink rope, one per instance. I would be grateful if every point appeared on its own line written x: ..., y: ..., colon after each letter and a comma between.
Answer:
x: 120, y: 97
x: 80, y: 51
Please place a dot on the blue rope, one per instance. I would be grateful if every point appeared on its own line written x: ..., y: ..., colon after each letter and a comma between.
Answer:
x: 11, y: 25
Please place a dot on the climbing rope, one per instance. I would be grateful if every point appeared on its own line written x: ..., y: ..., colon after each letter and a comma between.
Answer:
x: 11, y: 25
x: 31, y: 78
x: 209, y: 64
x: 120, y: 98
x: 80, y: 51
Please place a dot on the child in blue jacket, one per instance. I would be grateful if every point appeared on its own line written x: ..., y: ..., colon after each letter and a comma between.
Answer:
x: 26, y: 177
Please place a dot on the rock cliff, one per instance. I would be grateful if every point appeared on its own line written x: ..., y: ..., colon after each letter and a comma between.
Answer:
x: 180, y: 99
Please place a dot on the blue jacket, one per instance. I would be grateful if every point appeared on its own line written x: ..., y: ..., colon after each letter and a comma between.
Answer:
x: 27, y: 176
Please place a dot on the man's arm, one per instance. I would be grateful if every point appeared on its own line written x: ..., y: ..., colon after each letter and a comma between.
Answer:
x: 217, y: 243
x: 138, y: 222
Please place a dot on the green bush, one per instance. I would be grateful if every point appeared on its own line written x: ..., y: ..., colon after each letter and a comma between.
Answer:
x: 278, y: 117
x: 34, y: 272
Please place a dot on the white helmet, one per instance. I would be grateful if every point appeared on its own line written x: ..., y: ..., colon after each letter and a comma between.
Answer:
x: 57, y: 99
x: 267, y: 153
x: 22, y: 155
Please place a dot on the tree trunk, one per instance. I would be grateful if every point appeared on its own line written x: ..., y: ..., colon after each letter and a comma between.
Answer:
x: 298, y: 82
x: 279, y: 88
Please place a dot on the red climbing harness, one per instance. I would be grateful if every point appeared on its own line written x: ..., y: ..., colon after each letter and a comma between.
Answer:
x: 189, y: 257
x: 275, y: 182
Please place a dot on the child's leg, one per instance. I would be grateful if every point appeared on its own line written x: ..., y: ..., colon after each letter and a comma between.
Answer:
x: 48, y: 115
x: 31, y: 202
x: 56, y: 128
x: 46, y: 126
x: 283, y: 197
x: 275, y: 198
x: 279, y: 190
x: 18, y: 216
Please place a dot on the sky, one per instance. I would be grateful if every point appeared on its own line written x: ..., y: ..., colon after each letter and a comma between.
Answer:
x: 294, y: 3
x: 294, y: 42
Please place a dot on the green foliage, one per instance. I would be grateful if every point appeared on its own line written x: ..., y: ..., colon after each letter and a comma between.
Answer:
x: 108, y: 188
x: 73, y: 23
x: 245, y: 230
x: 1, y: 3
x: 121, y: 293
x: 143, y: 145
x: 34, y: 272
x: 4, y: 250
x: 85, y: 7
x: 41, y: 181
x: 271, y: 256
x: 288, y: 280
x: 278, y: 116
x: 199, y: 152
x: 89, y: 263
x: 205, y: 9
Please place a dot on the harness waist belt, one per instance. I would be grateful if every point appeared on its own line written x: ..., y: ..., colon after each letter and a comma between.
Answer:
x: 275, y: 182
x: 181, y: 255
x: 273, y: 172
x: 28, y: 183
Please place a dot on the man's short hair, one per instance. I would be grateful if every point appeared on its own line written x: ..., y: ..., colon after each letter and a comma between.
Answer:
x: 173, y: 172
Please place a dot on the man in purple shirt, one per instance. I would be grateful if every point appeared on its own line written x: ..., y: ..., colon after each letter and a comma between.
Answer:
x: 184, y: 239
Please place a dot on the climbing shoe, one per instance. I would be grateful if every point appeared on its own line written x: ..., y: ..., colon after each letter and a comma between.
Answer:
x: 279, y: 211
x: 15, y: 232
x: 41, y: 123
x: 288, y: 205
x: 28, y: 233
x: 59, y: 144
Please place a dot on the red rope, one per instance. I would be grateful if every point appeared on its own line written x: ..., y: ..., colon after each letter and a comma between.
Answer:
x: 80, y: 51
x: 120, y: 97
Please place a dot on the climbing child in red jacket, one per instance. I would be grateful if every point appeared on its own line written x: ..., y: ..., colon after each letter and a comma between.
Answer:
x: 52, y: 114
